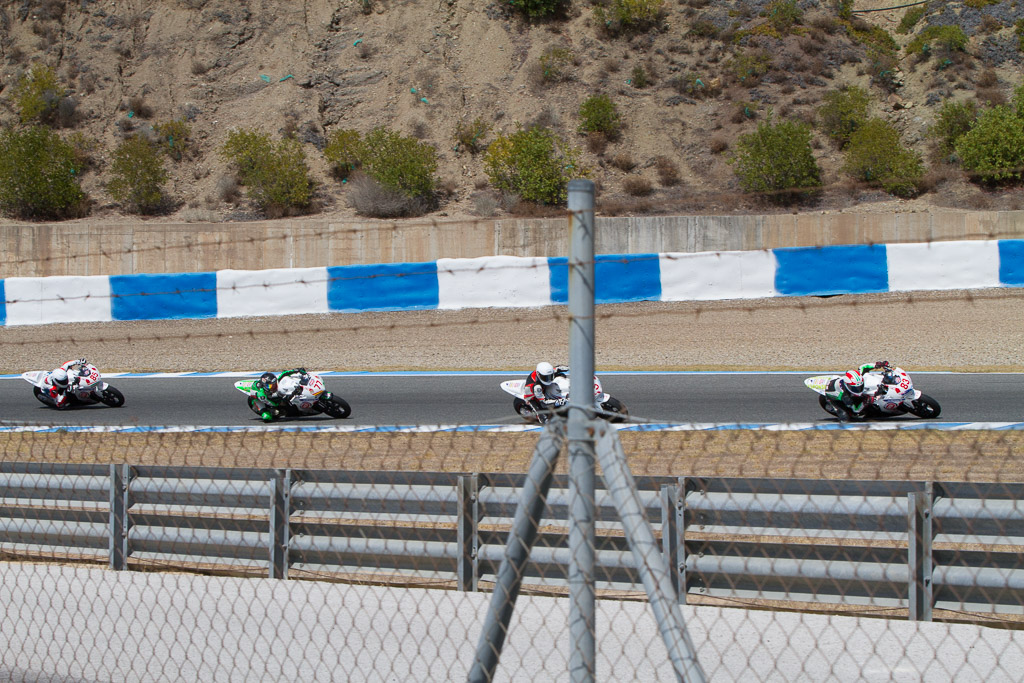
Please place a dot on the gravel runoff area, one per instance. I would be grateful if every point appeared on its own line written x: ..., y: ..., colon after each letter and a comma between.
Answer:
x: 979, y: 330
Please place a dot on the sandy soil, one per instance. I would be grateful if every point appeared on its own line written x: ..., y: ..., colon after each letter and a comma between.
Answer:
x: 979, y: 330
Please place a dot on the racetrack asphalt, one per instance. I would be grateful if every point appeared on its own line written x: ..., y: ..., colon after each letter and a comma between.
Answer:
x: 476, y: 399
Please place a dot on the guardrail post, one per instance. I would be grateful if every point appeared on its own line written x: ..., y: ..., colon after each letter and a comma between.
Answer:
x: 671, y: 538
x: 120, y: 476
x: 469, y: 517
x: 280, y: 514
x: 919, y: 552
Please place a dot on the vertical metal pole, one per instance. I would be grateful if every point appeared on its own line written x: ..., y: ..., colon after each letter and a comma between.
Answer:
x: 118, y: 477
x: 653, y: 568
x: 670, y: 532
x: 582, y: 597
x: 919, y: 553
x: 280, y: 516
x: 469, y: 516
x: 517, y: 553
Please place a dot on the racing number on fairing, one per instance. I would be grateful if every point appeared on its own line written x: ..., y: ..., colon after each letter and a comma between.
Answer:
x: 93, y: 376
x: 315, y: 385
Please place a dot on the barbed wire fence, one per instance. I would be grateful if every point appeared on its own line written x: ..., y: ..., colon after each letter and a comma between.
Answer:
x: 273, y: 554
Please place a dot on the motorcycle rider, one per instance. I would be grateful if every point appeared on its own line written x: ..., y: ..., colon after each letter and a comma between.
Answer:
x: 274, y: 391
x: 63, y: 383
x: 846, y: 393
x: 541, y: 391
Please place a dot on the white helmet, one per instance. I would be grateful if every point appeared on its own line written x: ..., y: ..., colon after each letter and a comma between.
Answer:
x: 59, y: 377
x: 545, y: 372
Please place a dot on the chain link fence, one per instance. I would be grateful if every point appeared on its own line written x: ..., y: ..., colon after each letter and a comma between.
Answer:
x: 288, y: 555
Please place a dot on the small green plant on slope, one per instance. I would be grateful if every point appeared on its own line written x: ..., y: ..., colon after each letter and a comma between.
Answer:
x: 783, y: 15
x: 910, y: 19
x: 38, y: 94
x: 342, y: 151
x: 619, y: 16
x: 992, y: 151
x: 39, y: 175
x: 536, y: 9
x: 174, y: 137
x: 844, y: 110
x: 533, y: 163
x: 402, y: 163
x: 945, y: 37
x: 955, y: 119
x: 274, y: 173
x: 470, y: 135
x: 138, y: 176
x: 776, y: 161
x: 598, y: 114
x: 877, y: 156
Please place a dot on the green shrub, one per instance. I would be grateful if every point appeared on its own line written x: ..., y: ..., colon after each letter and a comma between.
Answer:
x: 275, y: 174
x: 536, y: 9
x: 39, y: 175
x: 342, y: 151
x: 910, y: 19
x: 639, y: 77
x: 38, y: 94
x: 629, y: 15
x: 776, y: 161
x: 1018, y: 100
x: 1018, y: 28
x: 554, y: 65
x: 877, y: 156
x: 843, y: 112
x: 533, y: 163
x: 174, y: 137
x: 598, y: 114
x: 948, y: 37
x: 955, y: 119
x: 470, y: 136
x: 844, y: 9
x: 978, y: 4
x: 399, y: 162
x: 871, y: 35
x: 993, y: 150
x: 138, y: 176
x: 749, y: 67
x: 783, y: 15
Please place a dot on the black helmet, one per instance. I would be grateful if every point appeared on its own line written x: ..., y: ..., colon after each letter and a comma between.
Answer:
x: 267, y: 382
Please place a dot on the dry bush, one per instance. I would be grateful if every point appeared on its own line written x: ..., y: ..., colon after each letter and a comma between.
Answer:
x: 199, y: 67
x: 419, y: 129
x: 718, y: 145
x: 939, y: 175
x: 987, y: 79
x: 625, y: 207
x: 624, y: 161
x: 597, y: 142
x: 990, y: 24
x: 370, y: 198
x: 228, y: 190
x: 88, y: 83
x: 637, y: 186
x: 485, y: 204
x: 991, y: 97
x: 137, y: 105
x: 524, y: 209
x: 668, y: 171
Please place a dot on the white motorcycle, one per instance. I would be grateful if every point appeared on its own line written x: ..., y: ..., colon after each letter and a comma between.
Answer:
x: 85, y: 387
x: 312, y: 398
x: 609, y: 407
x: 887, y: 392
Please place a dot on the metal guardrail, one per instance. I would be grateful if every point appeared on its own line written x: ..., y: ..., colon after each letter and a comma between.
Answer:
x: 905, y: 545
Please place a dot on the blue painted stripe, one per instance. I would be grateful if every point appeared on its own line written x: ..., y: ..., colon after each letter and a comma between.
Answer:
x: 831, y: 270
x: 1011, y: 262
x: 163, y: 296
x: 625, y: 277
x: 3, y: 304
x: 382, y: 287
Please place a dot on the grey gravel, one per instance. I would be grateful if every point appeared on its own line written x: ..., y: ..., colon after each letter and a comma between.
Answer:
x: 981, y: 330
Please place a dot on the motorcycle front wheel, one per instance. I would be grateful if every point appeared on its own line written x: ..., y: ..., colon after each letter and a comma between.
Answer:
x: 112, y: 397
x: 926, y: 407
x: 336, y: 407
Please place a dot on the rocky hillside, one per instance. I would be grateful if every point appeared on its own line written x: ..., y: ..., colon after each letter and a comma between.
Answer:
x: 687, y: 87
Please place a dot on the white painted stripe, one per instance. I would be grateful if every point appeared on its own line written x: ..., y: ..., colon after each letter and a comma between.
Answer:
x: 280, y: 291
x: 717, y: 275
x: 493, y: 281
x: 59, y: 299
x: 943, y: 265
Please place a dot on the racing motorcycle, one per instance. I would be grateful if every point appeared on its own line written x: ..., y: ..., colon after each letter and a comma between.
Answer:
x: 85, y: 387
x: 609, y: 407
x: 887, y: 392
x: 313, y: 398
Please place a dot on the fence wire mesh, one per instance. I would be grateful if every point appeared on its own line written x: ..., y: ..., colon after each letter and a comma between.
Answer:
x: 328, y: 555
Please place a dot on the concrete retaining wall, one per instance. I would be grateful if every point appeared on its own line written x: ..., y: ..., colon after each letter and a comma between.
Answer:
x: 84, y: 248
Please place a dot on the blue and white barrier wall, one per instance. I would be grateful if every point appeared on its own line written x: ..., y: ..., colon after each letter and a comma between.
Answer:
x: 508, y: 281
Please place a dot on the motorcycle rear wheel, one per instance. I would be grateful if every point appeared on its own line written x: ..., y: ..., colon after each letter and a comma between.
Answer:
x: 112, y: 397
x: 336, y: 407
x: 38, y: 393
x: 926, y: 407
x: 614, y: 405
